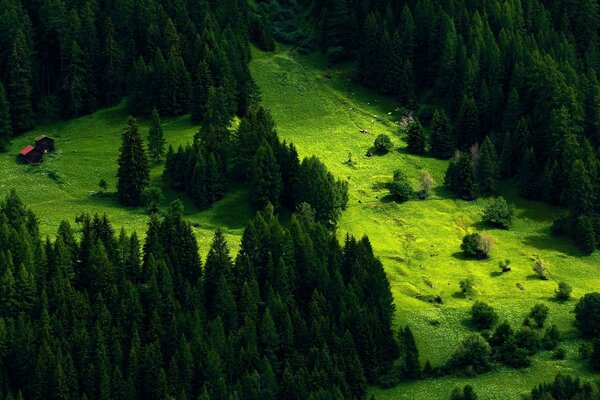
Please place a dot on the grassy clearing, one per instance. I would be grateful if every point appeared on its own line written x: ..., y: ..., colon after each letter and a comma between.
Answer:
x: 322, y: 112
x: 66, y: 183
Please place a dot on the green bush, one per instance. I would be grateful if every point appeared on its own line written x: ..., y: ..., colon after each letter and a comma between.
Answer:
x: 483, y: 316
x: 499, y: 213
x: 473, y: 354
x: 587, y: 315
x: 563, y: 292
x: 400, y: 188
x: 539, y: 313
x: 476, y: 245
x: 383, y: 144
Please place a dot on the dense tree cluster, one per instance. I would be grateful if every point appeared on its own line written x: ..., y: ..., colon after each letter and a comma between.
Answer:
x: 101, y: 315
x: 254, y: 154
x: 522, y: 72
x: 64, y: 58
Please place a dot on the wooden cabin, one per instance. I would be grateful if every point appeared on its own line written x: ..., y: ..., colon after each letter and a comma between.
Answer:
x: 44, y: 143
x: 31, y: 155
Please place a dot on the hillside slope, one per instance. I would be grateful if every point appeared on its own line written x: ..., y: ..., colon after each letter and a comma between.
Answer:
x: 322, y: 112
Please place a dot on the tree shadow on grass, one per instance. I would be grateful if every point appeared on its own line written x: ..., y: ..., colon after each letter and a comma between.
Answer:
x: 544, y: 240
x: 459, y: 255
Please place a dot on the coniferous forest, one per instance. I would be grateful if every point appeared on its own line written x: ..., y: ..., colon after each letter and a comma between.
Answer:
x: 241, y: 148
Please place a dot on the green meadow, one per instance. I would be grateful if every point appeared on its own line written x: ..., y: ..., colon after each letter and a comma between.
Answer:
x: 323, y: 112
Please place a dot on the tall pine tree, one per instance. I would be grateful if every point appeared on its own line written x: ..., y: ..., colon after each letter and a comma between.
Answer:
x: 133, y: 173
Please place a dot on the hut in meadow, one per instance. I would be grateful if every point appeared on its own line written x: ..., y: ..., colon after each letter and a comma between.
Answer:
x: 31, y: 155
x: 44, y: 143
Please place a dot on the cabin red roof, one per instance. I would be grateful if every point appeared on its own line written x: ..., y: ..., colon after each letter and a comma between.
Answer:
x: 26, y: 150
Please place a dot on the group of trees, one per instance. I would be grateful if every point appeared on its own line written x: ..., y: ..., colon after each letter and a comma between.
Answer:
x: 522, y: 72
x: 64, y: 58
x: 101, y: 315
x: 254, y: 154
x: 500, y: 343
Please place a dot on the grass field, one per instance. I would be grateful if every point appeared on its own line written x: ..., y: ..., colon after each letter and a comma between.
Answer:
x: 322, y: 112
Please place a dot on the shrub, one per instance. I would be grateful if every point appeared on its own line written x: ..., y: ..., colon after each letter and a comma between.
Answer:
x: 587, y: 315
x: 512, y: 355
x: 466, y: 286
x: 467, y: 393
x: 526, y: 338
x: 563, y: 292
x: 425, y: 183
x: 400, y: 188
x: 560, y: 353
x: 540, y: 270
x: 474, y: 353
x: 483, y: 316
x: 539, y: 313
x: 477, y: 245
x: 551, y: 337
x: 499, y: 213
x: 505, y: 266
x: 152, y: 196
x: 383, y: 144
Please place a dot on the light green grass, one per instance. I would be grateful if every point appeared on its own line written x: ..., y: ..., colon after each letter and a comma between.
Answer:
x: 87, y: 151
x: 322, y: 112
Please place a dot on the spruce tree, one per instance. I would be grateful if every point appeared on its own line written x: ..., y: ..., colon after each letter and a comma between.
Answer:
x: 201, y: 82
x: 467, y: 125
x: 133, y: 173
x: 441, y: 145
x: 581, y: 194
x: 266, y: 182
x: 156, y: 140
x: 488, y: 168
x: 19, y: 85
x: 415, y: 137
x: 529, y: 175
x: 5, y: 124
x: 460, y: 177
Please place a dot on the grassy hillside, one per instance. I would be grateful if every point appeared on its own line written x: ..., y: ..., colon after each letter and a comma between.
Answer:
x: 66, y: 183
x: 322, y: 113
x: 419, y: 242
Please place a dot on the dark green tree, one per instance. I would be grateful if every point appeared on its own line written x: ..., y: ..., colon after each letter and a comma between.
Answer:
x: 19, y: 88
x: 133, y: 172
x: 488, y: 168
x: 441, y: 144
x: 156, y: 139
x: 266, y: 177
x: 5, y: 122
x: 415, y: 137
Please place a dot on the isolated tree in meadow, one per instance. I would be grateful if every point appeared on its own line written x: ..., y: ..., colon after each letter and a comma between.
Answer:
x: 266, y: 177
x: 133, y: 173
x: 442, y: 143
x: 415, y: 137
x: 563, y: 291
x: 400, y: 187
x: 383, y: 144
x: 19, y: 86
x: 483, y: 315
x: 539, y: 313
x: 425, y: 184
x: 5, y: 124
x: 156, y: 139
x: 499, y: 213
x: 488, y: 168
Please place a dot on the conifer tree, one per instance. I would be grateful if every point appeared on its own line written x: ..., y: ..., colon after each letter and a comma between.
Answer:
x: 415, y: 137
x: 112, y: 66
x: 5, y: 123
x: 585, y: 236
x: 266, y: 177
x: 460, y: 177
x: 467, y: 125
x: 133, y: 174
x: 75, y: 82
x: 441, y: 145
x: 201, y: 82
x: 488, y: 168
x: 411, y: 366
x: 581, y: 194
x: 528, y: 176
x: 19, y: 85
x: 156, y: 140
x: 218, y: 264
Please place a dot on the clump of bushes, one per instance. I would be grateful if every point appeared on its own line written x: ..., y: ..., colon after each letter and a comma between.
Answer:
x: 539, y: 313
x: 476, y: 245
x: 466, y: 287
x: 587, y: 315
x: 499, y: 213
x: 383, y: 144
x: 505, y: 266
x: 472, y: 356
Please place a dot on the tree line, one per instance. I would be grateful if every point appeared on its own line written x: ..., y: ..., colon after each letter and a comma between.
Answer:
x: 65, y: 58
x: 522, y: 72
x: 97, y: 314
x: 254, y: 154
